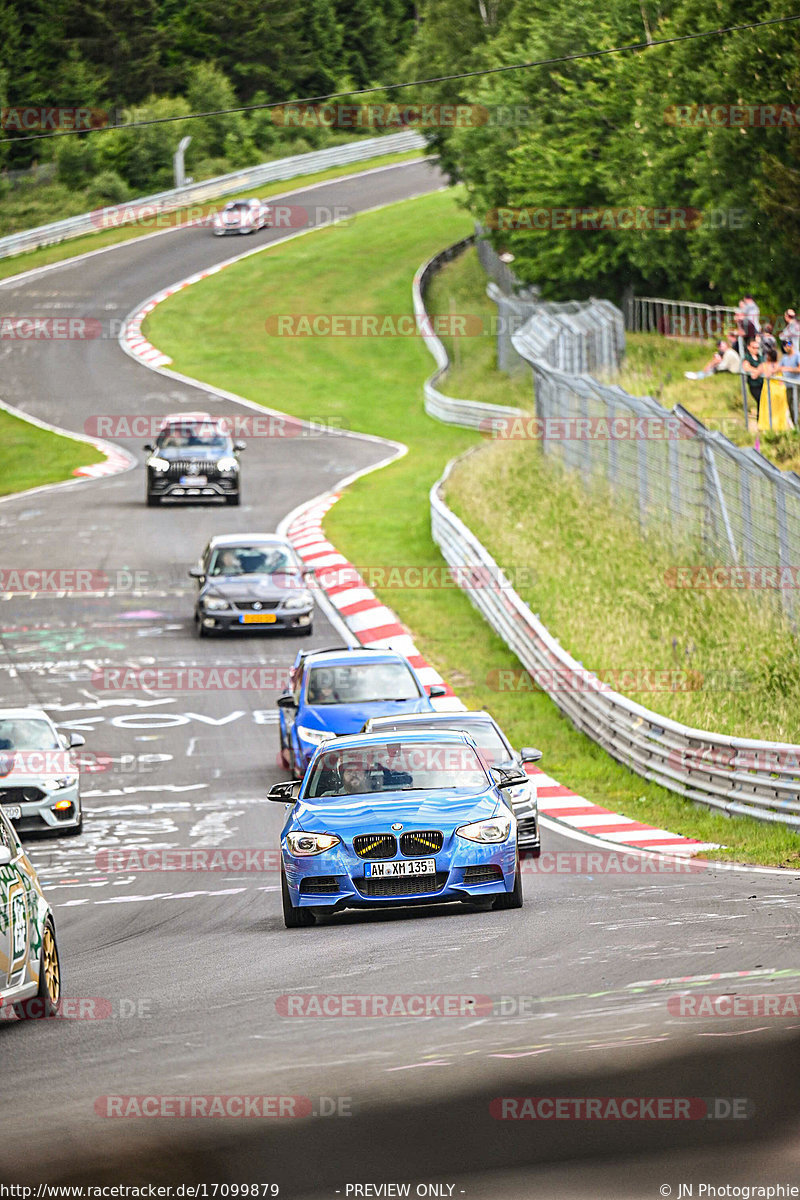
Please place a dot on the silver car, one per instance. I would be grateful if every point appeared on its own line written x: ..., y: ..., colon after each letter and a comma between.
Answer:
x: 252, y: 581
x: 495, y: 748
x: 241, y: 216
x: 30, y: 970
x: 39, y: 780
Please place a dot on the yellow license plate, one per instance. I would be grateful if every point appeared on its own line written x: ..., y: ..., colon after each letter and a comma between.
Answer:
x: 258, y: 618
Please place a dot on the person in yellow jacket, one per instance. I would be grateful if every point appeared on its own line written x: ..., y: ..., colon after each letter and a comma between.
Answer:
x: 773, y: 412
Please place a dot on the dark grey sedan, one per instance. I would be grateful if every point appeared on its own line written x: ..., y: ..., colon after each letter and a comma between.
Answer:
x: 252, y: 581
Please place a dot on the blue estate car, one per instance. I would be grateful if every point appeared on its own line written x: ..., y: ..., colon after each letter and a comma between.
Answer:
x: 333, y: 692
x: 408, y: 818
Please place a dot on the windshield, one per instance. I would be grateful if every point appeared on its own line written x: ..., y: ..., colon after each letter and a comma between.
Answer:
x: 250, y: 560
x: 184, y: 437
x: 26, y: 733
x: 410, y: 766
x: 237, y: 206
x: 361, y: 684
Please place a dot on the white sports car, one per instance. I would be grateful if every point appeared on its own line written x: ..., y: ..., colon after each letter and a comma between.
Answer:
x: 241, y: 216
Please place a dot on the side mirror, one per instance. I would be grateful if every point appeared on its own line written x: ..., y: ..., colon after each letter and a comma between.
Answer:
x: 196, y: 573
x: 284, y: 792
x: 148, y: 446
x: 286, y: 702
x: 530, y: 754
x: 436, y: 689
x: 5, y: 856
x: 508, y: 779
x: 76, y: 739
x: 239, y: 446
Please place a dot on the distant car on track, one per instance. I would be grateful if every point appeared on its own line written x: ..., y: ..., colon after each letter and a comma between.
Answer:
x: 241, y: 216
x: 412, y: 818
x: 39, y: 779
x: 495, y: 748
x: 193, y: 458
x: 333, y: 692
x: 30, y: 970
x: 252, y: 581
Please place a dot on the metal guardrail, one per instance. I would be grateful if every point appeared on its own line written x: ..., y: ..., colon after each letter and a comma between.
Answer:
x: 209, y: 189
x: 677, y: 318
x: 468, y: 413
x: 732, y: 775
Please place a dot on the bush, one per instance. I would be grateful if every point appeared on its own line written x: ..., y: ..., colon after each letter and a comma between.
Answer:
x: 107, y: 188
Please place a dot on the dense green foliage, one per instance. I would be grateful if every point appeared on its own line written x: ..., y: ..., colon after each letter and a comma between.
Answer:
x: 590, y: 133
x: 599, y: 132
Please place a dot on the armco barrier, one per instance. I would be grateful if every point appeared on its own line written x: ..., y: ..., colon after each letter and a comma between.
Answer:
x: 469, y: 413
x: 212, y: 189
x: 734, y: 775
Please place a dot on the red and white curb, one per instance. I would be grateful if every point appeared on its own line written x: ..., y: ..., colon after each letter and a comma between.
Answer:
x: 374, y: 624
x: 134, y: 341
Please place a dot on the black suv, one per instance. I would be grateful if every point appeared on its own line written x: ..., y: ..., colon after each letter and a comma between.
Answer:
x: 193, y: 459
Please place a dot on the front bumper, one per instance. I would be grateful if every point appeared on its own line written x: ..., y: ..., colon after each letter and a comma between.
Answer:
x: 222, y: 230
x: 464, y: 870
x: 216, y: 486
x: 40, y: 815
x: 227, y: 622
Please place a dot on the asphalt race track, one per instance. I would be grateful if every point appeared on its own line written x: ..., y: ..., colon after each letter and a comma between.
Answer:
x: 189, y: 965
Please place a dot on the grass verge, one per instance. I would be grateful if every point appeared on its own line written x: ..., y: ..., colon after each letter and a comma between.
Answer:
x: 34, y: 456
x: 125, y: 233
x: 383, y: 520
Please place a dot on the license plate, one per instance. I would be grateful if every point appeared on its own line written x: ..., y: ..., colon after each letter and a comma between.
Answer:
x: 193, y: 480
x: 257, y: 618
x: 414, y: 866
x: 12, y: 811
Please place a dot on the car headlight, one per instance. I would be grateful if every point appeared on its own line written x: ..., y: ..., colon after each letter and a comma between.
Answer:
x: 63, y: 781
x: 302, y: 845
x: 158, y: 464
x: 301, y: 600
x: 227, y: 464
x: 496, y: 829
x: 315, y: 736
x: 215, y: 603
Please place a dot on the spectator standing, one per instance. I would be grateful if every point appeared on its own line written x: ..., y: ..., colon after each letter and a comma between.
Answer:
x: 789, y: 364
x: 768, y: 341
x: 751, y: 367
x: 791, y: 327
x: 751, y: 310
x: 774, y: 410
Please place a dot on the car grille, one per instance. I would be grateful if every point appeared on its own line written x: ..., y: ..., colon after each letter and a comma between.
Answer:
x: 375, y: 845
x: 421, y: 842
x: 488, y: 874
x: 403, y: 885
x: 319, y: 884
x: 192, y: 466
x: 255, y: 605
x: 20, y: 795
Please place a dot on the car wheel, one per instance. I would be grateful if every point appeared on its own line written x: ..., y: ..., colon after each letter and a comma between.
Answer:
x: 199, y: 627
x: 294, y: 918
x: 306, y: 631
x: 233, y: 500
x: 292, y: 763
x: 152, y: 501
x: 512, y: 899
x: 45, y: 1002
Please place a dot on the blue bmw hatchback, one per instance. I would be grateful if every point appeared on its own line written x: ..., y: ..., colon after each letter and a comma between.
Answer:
x: 409, y: 818
x: 335, y: 692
